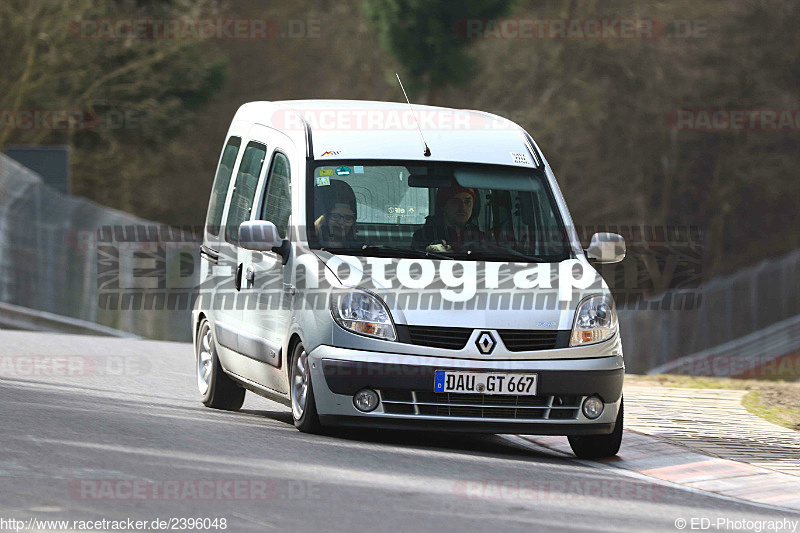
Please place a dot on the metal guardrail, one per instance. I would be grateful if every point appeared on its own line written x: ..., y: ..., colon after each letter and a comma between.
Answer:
x: 17, y: 317
x: 747, y: 352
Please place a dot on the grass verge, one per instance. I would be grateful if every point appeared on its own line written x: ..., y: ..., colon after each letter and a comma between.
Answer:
x: 775, y: 401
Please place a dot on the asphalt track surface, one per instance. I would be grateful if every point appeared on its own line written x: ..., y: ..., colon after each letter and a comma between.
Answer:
x: 126, y: 437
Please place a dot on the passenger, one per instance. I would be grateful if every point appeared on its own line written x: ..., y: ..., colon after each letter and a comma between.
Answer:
x: 452, y: 227
x: 336, y: 227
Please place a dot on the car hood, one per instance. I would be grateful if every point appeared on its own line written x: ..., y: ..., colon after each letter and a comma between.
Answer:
x: 500, y: 299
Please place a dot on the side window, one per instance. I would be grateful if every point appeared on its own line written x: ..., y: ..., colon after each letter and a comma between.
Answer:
x: 221, y: 182
x: 244, y: 189
x: 278, y: 201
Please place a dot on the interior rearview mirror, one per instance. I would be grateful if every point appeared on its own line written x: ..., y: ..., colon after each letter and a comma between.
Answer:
x: 429, y: 181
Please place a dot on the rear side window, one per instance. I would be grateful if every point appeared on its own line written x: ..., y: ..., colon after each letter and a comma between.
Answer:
x: 278, y: 201
x: 244, y: 189
x: 221, y: 182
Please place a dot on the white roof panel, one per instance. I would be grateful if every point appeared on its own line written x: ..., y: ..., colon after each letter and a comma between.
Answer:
x: 356, y: 129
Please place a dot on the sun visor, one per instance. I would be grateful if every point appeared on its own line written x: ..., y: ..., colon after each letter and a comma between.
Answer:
x: 525, y: 180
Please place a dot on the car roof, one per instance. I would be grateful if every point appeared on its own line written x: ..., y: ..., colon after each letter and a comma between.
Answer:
x: 361, y: 129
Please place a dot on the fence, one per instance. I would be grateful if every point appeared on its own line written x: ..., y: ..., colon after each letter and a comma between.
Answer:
x: 732, y: 307
x: 45, y: 266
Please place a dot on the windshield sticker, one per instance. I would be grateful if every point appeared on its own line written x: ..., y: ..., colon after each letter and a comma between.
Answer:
x: 326, y: 172
x: 392, y: 210
x: 323, y: 180
x: 519, y: 158
x: 358, y: 169
x: 343, y: 171
x: 331, y: 152
x: 401, y: 211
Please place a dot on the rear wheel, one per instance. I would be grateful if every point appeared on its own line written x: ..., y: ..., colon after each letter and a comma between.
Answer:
x: 217, y: 390
x: 304, y: 408
x: 598, y: 446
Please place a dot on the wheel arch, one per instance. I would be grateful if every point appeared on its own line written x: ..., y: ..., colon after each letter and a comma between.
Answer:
x: 294, y: 340
x: 196, y: 327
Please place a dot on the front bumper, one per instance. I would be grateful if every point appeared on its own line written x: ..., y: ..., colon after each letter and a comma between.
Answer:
x: 405, y: 384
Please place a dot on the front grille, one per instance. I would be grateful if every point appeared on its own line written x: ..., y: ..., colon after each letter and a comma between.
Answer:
x: 523, y: 340
x: 448, y: 404
x: 515, y: 340
x: 439, y: 337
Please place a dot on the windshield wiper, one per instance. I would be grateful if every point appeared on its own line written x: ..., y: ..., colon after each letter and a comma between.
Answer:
x: 501, y: 254
x: 380, y: 248
x: 415, y: 252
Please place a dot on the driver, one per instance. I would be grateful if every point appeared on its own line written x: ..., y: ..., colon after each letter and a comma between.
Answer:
x: 451, y: 228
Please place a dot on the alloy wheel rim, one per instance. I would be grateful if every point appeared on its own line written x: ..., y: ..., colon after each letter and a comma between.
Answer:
x: 300, y: 379
x: 205, y: 360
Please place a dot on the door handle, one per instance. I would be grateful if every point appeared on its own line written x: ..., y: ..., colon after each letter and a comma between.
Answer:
x: 237, y: 280
x: 288, y: 287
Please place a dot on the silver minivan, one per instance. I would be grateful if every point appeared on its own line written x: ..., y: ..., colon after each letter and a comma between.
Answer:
x: 373, y: 264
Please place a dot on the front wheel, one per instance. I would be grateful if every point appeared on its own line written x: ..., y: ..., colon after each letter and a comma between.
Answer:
x: 217, y: 390
x: 598, y: 446
x: 304, y: 408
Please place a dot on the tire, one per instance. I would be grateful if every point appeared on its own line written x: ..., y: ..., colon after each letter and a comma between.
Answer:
x: 304, y: 407
x: 217, y: 390
x: 599, y: 446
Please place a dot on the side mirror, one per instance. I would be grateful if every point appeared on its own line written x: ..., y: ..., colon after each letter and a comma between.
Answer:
x: 262, y: 236
x: 606, y: 248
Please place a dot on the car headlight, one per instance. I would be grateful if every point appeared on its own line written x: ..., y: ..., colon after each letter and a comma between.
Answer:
x: 595, y: 320
x: 362, y: 312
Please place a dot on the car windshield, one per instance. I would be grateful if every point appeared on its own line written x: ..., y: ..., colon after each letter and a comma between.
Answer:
x: 436, y: 210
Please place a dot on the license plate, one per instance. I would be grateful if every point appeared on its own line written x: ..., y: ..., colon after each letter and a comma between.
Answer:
x: 485, y: 383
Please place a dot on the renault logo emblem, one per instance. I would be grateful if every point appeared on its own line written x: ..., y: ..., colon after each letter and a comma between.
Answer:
x: 485, y: 343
